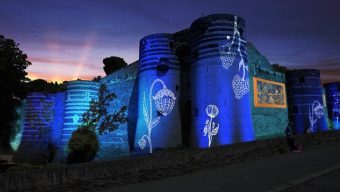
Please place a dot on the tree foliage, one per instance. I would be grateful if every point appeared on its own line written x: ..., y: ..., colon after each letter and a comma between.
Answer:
x: 83, y: 146
x: 97, y: 79
x: 13, y: 63
x: 41, y: 85
x: 97, y: 116
x: 279, y: 68
x: 112, y: 64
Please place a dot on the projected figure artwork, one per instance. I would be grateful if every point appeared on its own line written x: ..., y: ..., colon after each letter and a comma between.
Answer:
x: 164, y: 101
x: 211, y: 128
x: 336, y: 108
x: 316, y: 110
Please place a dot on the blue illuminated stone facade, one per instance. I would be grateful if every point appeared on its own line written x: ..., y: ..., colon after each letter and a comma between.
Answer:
x: 267, y: 122
x: 305, y: 102
x: 192, y: 88
x: 333, y: 103
x: 42, y: 126
x: 219, y: 82
x: 122, y: 83
x: 158, y: 124
x: 78, y: 97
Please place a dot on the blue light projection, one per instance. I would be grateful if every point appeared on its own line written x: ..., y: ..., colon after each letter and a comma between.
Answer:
x: 44, y: 117
x: 210, y: 128
x: 38, y: 117
x: 240, y: 85
x: 305, y: 102
x: 58, y: 117
x: 216, y: 76
x: 158, y: 88
x: 333, y: 103
x: 79, y: 95
x: 217, y: 43
x: 315, y: 110
x: 165, y: 101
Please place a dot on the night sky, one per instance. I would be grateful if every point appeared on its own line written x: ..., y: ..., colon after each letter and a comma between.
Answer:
x: 68, y: 39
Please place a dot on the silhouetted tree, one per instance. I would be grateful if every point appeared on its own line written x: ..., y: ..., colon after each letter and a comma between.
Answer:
x: 98, y: 118
x: 83, y: 144
x: 112, y: 64
x: 97, y: 79
x: 41, y: 85
x: 279, y: 68
x: 13, y: 63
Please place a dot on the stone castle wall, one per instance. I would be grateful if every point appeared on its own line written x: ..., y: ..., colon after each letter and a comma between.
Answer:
x: 267, y: 122
x: 123, y: 84
x: 211, y: 57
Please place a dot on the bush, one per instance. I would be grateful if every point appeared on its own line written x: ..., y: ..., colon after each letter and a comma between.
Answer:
x: 82, y: 146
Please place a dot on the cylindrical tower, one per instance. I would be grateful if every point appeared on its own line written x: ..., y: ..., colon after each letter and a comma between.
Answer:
x: 333, y: 103
x: 78, y: 97
x: 37, y: 128
x: 38, y: 118
x: 219, y: 82
x: 305, y: 104
x: 158, y: 124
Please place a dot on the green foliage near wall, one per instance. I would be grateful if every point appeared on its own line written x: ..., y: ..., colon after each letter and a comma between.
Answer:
x: 41, y: 85
x: 118, y: 143
x: 100, y: 119
x: 112, y: 64
x: 267, y: 122
x: 82, y: 146
x: 13, y: 63
x: 279, y: 68
x: 97, y: 117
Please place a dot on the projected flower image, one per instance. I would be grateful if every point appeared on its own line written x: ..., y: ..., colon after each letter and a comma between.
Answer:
x: 165, y: 102
x: 227, y: 56
x: 211, y: 128
x: 240, y: 84
x: 317, y: 110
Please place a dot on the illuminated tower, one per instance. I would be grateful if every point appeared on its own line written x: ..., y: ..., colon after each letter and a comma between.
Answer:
x: 333, y: 103
x: 78, y: 97
x: 219, y: 82
x: 305, y: 104
x: 37, y: 128
x: 158, y: 124
x: 38, y: 118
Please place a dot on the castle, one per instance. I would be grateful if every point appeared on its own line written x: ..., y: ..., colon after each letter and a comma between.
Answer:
x: 201, y: 87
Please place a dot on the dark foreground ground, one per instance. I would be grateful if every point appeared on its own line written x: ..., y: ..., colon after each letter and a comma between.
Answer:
x: 327, y: 183
x: 314, y: 169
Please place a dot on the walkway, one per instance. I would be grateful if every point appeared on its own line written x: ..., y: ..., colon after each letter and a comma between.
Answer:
x: 274, y: 173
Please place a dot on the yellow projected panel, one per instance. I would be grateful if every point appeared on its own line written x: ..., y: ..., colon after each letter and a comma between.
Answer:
x: 269, y: 93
